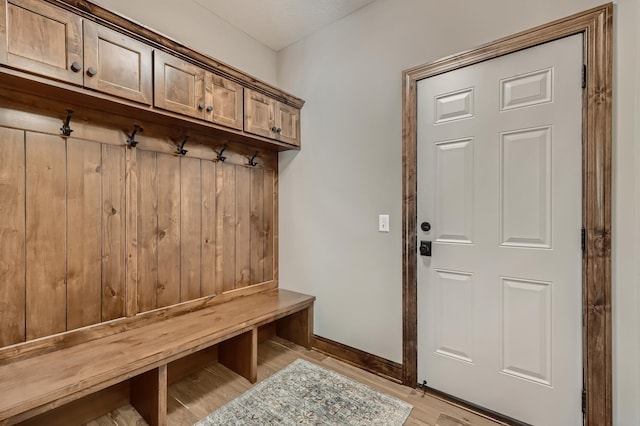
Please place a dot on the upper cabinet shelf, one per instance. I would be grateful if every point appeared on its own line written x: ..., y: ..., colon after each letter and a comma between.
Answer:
x: 63, y: 41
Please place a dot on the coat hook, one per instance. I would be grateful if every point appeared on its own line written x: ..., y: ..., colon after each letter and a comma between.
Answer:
x: 131, y: 140
x: 252, y: 163
x: 220, y: 157
x: 180, y: 149
x: 65, y: 129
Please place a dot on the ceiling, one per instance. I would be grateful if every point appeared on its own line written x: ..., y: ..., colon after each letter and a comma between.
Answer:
x: 279, y: 23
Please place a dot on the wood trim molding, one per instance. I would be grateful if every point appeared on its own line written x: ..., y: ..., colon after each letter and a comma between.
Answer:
x: 597, y: 27
x: 372, y: 363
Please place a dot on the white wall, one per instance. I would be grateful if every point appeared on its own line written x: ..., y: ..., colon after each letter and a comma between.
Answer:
x: 349, y: 168
x: 196, y: 27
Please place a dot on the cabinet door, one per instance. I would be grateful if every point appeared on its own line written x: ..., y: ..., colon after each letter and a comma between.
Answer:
x: 224, y: 102
x: 40, y: 38
x: 116, y: 64
x: 288, y: 124
x: 259, y: 113
x: 178, y: 85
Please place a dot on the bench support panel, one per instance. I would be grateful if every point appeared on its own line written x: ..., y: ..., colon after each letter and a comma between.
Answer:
x: 297, y: 327
x: 149, y: 395
x: 240, y: 354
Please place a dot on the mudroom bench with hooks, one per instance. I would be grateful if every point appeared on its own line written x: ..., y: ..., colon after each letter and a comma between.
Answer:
x: 139, y: 202
x: 139, y: 356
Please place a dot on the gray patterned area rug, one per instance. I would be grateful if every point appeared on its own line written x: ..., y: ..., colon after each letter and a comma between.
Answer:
x: 304, y: 393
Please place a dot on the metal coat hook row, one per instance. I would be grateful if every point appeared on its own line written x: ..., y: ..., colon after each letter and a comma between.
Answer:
x: 220, y: 157
x: 252, y: 162
x: 65, y: 129
x: 180, y: 149
x: 131, y: 140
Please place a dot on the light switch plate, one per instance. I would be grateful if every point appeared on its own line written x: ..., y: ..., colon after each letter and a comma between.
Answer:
x: 383, y: 223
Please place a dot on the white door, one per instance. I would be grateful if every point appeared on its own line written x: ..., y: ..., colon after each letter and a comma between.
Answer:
x: 499, y: 182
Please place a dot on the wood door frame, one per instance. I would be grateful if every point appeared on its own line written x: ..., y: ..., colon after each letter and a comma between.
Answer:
x: 597, y: 27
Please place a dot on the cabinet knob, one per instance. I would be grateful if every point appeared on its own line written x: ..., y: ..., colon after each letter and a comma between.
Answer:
x: 76, y: 67
x: 92, y: 71
x: 278, y: 130
x: 209, y: 108
x: 201, y: 105
x: 274, y: 129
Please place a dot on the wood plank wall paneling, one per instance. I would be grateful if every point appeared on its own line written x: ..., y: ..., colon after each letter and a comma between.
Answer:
x: 131, y: 232
x: 209, y: 221
x: 226, y: 227
x: 46, y: 213
x: 208, y: 228
x: 169, y: 220
x: 270, y: 222
x: 71, y: 255
x: 147, y: 231
x: 113, y: 233
x: 191, y: 228
x: 12, y: 236
x: 257, y: 225
x: 83, y: 225
x: 243, y: 227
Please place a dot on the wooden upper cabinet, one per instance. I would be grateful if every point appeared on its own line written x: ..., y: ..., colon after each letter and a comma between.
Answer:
x: 224, y: 101
x: 267, y: 117
x: 288, y: 124
x: 178, y: 85
x: 182, y: 87
x: 259, y: 113
x: 40, y: 38
x: 43, y: 39
x: 117, y: 64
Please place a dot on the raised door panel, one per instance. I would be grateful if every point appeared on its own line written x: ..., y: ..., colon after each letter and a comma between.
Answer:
x: 178, y: 85
x: 288, y: 124
x: 259, y: 113
x: 116, y: 64
x: 224, y: 102
x: 42, y: 39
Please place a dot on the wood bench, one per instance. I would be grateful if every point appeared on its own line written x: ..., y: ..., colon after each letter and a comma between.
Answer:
x: 36, y: 377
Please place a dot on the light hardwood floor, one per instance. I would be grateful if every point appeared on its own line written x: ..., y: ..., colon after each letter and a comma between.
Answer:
x: 201, y: 393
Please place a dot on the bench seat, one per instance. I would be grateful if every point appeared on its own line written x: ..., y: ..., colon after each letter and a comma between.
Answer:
x: 35, y: 384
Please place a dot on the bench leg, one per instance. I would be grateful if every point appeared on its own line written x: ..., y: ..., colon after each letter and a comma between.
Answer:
x: 240, y: 354
x: 149, y: 395
x: 297, y: 327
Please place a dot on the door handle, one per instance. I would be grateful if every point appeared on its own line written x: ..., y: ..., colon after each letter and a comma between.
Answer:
x: 425, y: 248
